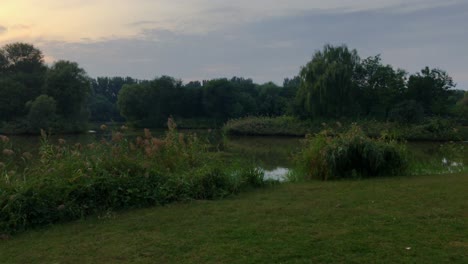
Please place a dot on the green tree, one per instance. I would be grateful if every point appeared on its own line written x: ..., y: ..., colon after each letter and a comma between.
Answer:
x: 69, y: 85
x: 407, y: 112
x: 431, y: 88
x: 462, y: 107
x: 269, y: 101
x: 22, y: 64
x: 132, y: 102
x: 42, y: 113
x: 12, y: 99
x: 381, y: 87
x: 150, y: 103
x: 328, y: 86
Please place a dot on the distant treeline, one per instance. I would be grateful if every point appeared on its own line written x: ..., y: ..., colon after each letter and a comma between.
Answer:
x: 336, y: 83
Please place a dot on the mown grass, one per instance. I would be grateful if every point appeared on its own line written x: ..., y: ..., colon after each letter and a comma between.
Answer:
x: 417, y: 219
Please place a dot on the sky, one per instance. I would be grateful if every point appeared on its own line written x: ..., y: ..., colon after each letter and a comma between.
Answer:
x: 266, y: 40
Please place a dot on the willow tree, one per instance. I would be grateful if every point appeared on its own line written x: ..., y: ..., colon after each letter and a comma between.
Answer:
x: 328, y: 87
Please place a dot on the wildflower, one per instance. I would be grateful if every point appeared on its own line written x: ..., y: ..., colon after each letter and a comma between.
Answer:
x: 103, y: 127
x: 147, y: 133
x: 171, y: 124
x: 8, y: 152
x: 61, y: 141
x: 181, y: 139
x: 4, y: 139
x: 123, y: 128
x: 139, y: 141
x: 149, y: 151
x: 157, y: 142
x: 117, y: 137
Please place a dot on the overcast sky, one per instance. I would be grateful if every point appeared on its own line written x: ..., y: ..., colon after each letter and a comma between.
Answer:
x: 259, y: 39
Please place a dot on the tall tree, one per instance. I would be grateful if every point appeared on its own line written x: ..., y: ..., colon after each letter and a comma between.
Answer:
x: 328, y: 86
x: 69, y: 85
x: 24, y: 64
x: 431, y: 88
x: 381, y: 86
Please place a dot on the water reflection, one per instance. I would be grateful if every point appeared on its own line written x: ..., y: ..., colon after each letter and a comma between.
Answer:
x: 278, y: 174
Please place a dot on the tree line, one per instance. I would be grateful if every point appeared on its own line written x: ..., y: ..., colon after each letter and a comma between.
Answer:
x: 335, y: 83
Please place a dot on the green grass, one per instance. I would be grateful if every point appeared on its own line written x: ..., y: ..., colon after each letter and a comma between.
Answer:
x: 432, y: 129
x: 418, y: 219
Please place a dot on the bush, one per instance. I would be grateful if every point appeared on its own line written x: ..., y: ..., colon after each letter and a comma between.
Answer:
x: 269, y: 126
x: 407, y: 112
x: 42, y: 112
x: 349, y: 155
x: 69, y: 182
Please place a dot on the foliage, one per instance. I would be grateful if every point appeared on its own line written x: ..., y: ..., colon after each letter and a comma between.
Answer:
x: 269, y: 126
x: 431, y: 129
x: 407, y: 112
x: 381, y: 87
x: 336, y: 83
x: 327, y: 83
x: 217, y: 100
x: 462, y: 107
x: 431, y: 89
x: 68, y: 84
x: 24, y: 77
x: 12, y: 99
x: 349, y: 155
x: 103, y: 97
x: 42, y: 112
x: 72, y: 181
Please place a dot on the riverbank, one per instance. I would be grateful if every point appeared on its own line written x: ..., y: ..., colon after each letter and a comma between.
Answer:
x: 64, y: 182
x: 418, y: 219
x: 436, y: 129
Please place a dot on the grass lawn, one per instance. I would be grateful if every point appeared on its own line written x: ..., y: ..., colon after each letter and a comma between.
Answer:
x: 420, y: 219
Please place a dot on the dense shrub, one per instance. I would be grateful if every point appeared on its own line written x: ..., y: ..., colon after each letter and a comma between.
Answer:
x: 408, y: 111
x: 69, y: 182
x: 349, y: 155
x: 432, y: 129
x: 269, y: 126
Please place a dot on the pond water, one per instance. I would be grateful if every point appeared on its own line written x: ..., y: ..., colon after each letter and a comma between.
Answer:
x: 272, y: 154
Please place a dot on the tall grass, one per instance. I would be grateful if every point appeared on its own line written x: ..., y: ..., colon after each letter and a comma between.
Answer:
x: 328, y: 155
x: 65, y: 182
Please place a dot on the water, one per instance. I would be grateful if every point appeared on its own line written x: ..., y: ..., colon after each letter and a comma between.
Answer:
x: 274, y: 154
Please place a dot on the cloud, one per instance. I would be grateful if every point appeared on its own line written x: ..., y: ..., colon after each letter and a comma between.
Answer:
x: 275, y: 47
